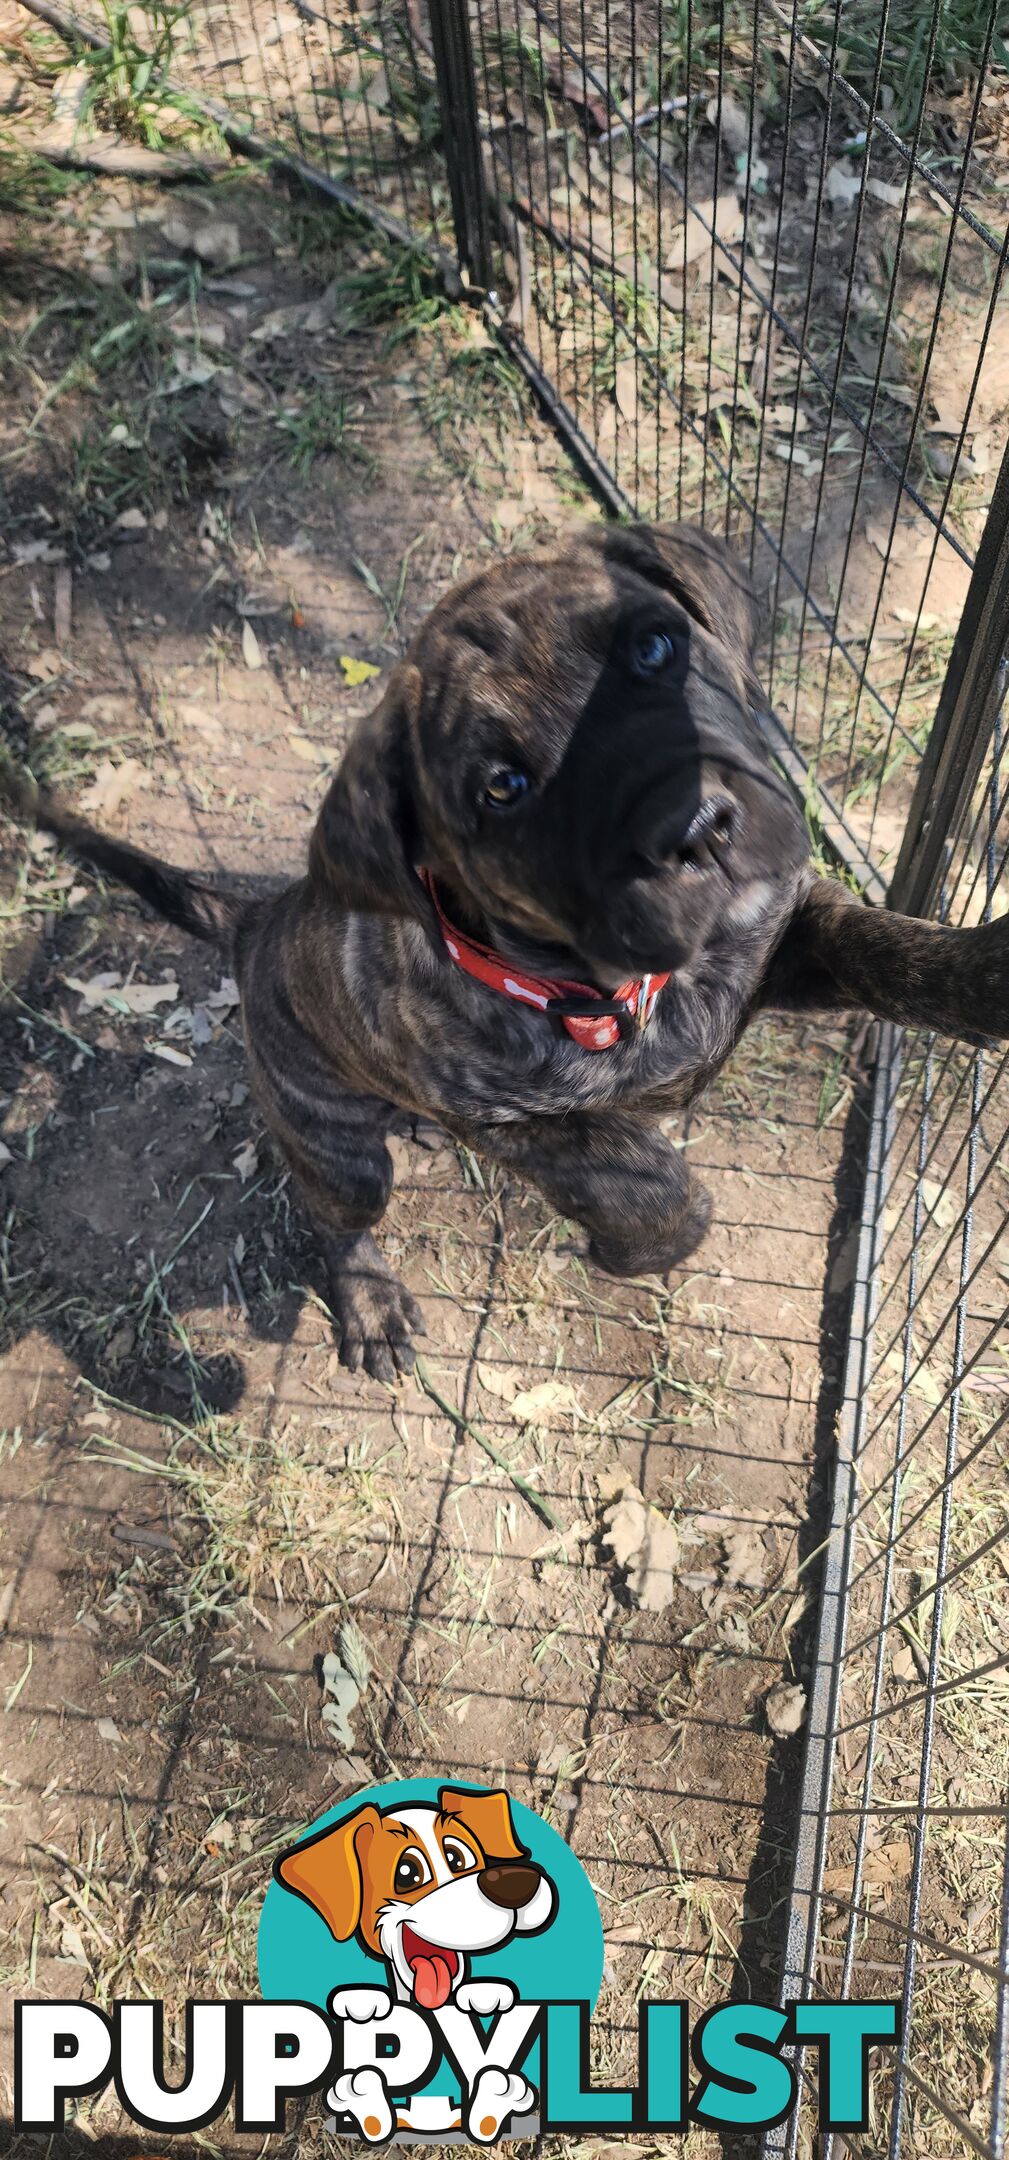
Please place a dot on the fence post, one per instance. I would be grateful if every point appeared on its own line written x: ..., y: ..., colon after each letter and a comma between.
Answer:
x: 976, y: 682
x: 453, y: 60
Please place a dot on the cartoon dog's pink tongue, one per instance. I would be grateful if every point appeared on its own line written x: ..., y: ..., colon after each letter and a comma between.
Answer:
x: 433, y: 1969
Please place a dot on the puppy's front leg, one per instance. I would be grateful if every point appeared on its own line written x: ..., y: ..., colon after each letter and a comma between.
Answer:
x: 618, y: 1178
x: 837, y: 953
x: 375, y: 1313
x: 335, y: 1144
x: 346, y: 1188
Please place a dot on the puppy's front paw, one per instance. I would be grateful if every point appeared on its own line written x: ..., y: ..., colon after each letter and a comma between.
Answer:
x: 496, y: 2095
x: 361, y: 2004
x: 485, y: 1997
x: 376, y: 1318
x: 362, y: 2095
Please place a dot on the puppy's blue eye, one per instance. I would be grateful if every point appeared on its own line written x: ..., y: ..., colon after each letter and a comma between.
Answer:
x: 506, y: 787
x: 652, y: 651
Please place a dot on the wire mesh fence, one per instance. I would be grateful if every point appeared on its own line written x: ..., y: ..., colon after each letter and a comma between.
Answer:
x: 753, y: 260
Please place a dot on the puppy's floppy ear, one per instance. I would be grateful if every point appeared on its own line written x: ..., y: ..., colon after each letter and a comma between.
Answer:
x: 488, y: 1817
x: 365, y: 838
x: 328, y: 1870
x: 709, y: 581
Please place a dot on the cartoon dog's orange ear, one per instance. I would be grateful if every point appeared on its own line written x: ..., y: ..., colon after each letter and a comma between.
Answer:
x: 328, y: 1870
x: 488, y: 1816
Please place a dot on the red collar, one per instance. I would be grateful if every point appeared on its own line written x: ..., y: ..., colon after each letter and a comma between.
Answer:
x: 631, y: 1005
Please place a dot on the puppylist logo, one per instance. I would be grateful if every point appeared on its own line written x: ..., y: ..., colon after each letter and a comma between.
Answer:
x: 429, y: 1959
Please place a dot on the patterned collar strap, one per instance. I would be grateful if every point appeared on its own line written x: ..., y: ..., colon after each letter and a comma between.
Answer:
x: 597, y: 1023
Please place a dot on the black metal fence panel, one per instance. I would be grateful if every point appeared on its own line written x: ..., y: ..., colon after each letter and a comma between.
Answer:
x: 754, y: 259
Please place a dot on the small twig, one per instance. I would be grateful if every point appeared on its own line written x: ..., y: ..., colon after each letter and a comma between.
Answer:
x: 117, y: 160
x: 7, y: 990
x: 237, y: 1280
x: 569, y: 242
x: 644, y: 119
x: 136, y: 1534
x: 521, y: 1484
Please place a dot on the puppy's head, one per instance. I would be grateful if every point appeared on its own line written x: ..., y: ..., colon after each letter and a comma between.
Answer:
x: 571, y: 748
x: 423, y: 1886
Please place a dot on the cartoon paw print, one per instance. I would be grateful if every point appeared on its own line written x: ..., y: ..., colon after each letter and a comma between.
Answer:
x: 362, y: 2005
x: 485, y: 1997
x: 496, y: 2095
x: 362, y: 2094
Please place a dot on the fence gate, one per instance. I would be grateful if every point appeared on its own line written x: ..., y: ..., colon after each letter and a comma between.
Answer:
x: 752, y: 258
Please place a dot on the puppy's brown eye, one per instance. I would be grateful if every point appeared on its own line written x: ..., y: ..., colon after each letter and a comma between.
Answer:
x: 505, y: 787
x: 411, y: 1872
x: 652, y: 652
x: 458, y: 1856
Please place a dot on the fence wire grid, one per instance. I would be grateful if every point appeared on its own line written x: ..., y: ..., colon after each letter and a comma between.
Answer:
x: 753, y: 259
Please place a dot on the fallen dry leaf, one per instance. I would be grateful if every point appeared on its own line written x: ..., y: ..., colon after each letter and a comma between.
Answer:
x: 109, y: 989
x: 45, y: 665
x: 627, y: 1523
x: 842, y: 185
x: 216, y: 241
x: 62, y: 606
x: 246, y: 1161
x: 358, y: 671
x: 534, y: 1404
x: 143, y: 997
x: 92, y: 992
x: 707, y: 222
x: 942, y: 1205
x: 311, y: 753
x: 112, y: 786
x: 646, y: 1546
x: 746, y: 1560
x: 611, y: 1483
x: 33, y: 551
x: 252, y: 651
x: 785, y: 1709
x: 887, y: 1865
x: 501, y: 1381
x: 345, y: 1675
x: 626, y: 389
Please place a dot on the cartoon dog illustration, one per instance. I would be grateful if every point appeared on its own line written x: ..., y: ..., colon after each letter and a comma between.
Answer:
x: 425, y: 1888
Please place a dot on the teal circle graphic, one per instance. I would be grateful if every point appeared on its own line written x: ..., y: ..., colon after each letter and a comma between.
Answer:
x: 299, y: 1960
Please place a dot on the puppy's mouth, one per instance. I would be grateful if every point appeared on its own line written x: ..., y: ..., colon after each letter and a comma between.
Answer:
x: 433, y: 1969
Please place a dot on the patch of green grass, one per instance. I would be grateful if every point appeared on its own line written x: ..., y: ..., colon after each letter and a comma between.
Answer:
x: 30, y: 186
x: 119, y: 464
x: 397, y: 287
x: 960, y: 37
x: 318, y: 428
x: 130, y: 90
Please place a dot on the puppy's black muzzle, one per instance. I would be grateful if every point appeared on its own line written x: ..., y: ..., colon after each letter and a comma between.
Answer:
x: 664, y: 824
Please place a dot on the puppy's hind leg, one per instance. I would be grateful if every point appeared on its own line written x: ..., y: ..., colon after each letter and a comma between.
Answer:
x: 334, y: 1140
x: 620, y: 1179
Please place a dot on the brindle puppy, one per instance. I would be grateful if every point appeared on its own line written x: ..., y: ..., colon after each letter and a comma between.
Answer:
x: 570, y: 752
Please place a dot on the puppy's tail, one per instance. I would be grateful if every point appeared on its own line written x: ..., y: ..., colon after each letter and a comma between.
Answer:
x: 182, y: 899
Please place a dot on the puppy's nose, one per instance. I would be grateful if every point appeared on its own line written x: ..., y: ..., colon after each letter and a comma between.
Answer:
x: 511, y: 1884
x: 701, y: 841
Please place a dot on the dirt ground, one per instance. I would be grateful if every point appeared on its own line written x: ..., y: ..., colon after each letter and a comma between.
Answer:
x: 197, y: 1497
